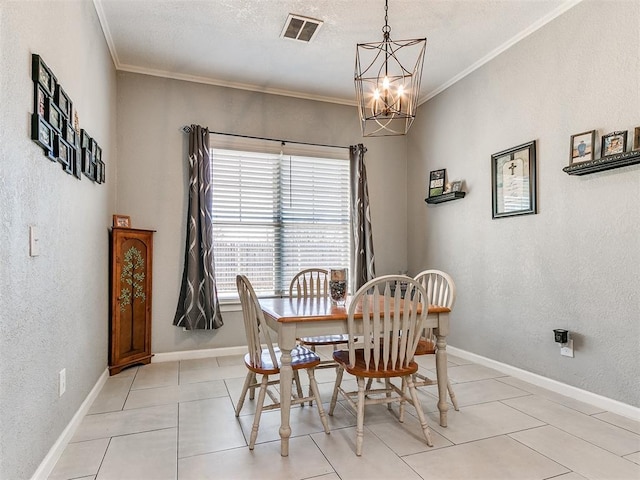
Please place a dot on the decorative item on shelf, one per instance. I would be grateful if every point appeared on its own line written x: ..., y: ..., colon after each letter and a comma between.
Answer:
x: 452, y: 191
x: 513, y: 181
x: 636, y: 139
x: 614, y: 143
x: 582, y: 147
x: 437, y: 179
x: 338, y: 285
x: 121, y: 221
x: 387, y: 80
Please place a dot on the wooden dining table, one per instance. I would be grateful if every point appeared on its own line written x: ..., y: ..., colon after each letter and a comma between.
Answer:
x: 292, y: 318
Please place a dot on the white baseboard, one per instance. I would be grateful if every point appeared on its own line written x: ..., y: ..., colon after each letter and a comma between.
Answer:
x: 50, y: 460
x: 195, y: 354
x: 613, y: 406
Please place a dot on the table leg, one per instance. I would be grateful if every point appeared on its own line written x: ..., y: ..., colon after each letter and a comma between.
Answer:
x: 441, y: 365
x: 286, y: 341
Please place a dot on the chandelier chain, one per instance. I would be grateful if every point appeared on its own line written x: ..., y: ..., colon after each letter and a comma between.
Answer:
x: 386, y: 29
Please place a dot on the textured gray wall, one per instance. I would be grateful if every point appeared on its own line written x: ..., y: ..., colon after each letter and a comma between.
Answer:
x: 53, y: 307
x: 152, y: 177
x: 573, y: 265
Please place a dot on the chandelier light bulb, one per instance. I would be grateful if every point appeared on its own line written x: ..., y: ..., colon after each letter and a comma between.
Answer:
x: 385, y: 83
x: 400, y: 90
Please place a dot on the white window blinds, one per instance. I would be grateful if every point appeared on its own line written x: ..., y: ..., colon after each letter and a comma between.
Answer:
x: 275, y: 215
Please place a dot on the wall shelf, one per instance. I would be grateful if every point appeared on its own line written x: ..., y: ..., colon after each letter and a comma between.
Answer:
x: 445, y: 197
x: 604, y: 163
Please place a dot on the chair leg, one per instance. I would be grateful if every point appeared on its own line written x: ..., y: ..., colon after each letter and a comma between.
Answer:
x: 360, y: 417
x: 256, y: 418
x: 452, y: 396
x: 313, y: 386
x: 334, y: 397
x: 254, y: 381
x: 403, y: 389
x: 245, y: 387
x: 418, y: 406
x: 387, y: 386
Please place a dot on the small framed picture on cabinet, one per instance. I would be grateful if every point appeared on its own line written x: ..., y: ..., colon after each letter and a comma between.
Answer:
x: 122, y: 221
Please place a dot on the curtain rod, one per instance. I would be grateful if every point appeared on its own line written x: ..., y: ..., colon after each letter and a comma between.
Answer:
x: 187, y: 129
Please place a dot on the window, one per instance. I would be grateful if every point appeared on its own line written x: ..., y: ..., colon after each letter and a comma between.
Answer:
x: 276, y: 214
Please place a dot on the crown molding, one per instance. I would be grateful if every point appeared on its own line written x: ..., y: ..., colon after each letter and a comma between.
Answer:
x: 97, y: 4
x: 236, y: 85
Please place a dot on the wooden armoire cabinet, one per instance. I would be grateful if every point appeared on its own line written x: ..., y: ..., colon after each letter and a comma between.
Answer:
x: 131, y: 253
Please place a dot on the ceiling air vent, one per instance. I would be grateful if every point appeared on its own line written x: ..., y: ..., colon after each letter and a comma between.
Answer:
x: 301, y: 28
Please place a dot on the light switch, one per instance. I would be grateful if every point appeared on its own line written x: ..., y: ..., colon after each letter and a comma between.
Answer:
x: 34, y: 248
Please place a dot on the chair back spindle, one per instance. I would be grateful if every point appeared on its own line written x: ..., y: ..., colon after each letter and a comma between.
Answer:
x: 310, y: 283
x: 439, y: 286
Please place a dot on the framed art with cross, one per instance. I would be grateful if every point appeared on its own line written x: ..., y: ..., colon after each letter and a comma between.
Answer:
x: 513, y: 181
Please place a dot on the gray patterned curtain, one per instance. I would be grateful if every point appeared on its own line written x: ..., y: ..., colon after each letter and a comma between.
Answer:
x: 198, y: 306
x: 362, y: 258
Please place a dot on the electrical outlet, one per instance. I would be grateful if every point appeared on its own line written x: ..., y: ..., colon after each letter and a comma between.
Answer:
x: 62, y: 381
x: 567, y: 349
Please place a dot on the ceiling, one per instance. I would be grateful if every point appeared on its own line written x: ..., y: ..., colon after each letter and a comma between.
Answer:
x: 237, y: 43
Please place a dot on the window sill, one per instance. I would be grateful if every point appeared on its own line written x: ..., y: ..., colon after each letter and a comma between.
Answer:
x: 230, y: 306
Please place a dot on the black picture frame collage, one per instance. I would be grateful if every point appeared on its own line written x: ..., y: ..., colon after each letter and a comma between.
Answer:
x: 53, y: 130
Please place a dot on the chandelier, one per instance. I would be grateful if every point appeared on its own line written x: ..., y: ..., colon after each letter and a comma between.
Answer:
x: 387, y: 79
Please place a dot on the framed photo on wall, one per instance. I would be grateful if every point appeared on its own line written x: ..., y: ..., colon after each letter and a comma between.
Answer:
x: 436, y: 182
x: 582, y: 147
x: 42, y: 75
x: 43, y: 135
x: 513, y: 181
x: 614, y: 143
x: 63, y: 101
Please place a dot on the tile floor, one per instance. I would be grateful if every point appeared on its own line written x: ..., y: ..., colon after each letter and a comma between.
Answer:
x: 176, y: 420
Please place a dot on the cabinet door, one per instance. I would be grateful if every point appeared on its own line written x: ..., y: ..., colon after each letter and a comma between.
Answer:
x: 131, y: 296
